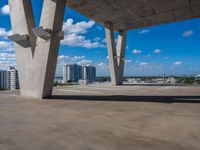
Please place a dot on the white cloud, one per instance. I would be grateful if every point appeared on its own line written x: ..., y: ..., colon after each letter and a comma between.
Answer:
x: 6, y: 55
x: 136, y: 51
x: 6, y: 46
x: 78, y: 28
x: 4, y: 33
x: 80, y: 41
x: 5, y: 10
x: 74, y: 35
x: 62, y: 59
x: 101, y: 64
x: 128, y: 61
x: 7, y: 59
x: 104, y: 41
x: 144, y: 31
x: 157, y: 51
x: 188, y: 33
x: 102, y: 69
x: 6, y: 64
x: 84, y: 62
x: 178, y: 63
x: 143, y: 64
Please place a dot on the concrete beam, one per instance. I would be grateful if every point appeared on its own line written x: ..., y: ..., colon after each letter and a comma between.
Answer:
x: 36, y: 64
x: 116, y: 55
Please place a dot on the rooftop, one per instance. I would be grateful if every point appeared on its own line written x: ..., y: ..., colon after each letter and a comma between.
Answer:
x: 102, y: 117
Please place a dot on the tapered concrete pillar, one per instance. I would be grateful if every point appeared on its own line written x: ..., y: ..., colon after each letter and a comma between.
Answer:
x: 116, y: 54
x: 36, y: 64
x: 121, y: 49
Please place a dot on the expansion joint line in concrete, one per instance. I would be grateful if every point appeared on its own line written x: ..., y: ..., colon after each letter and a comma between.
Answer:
x: 116, y: 54
x: 36, y: 63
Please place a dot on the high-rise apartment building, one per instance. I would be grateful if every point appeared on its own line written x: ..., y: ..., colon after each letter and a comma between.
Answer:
x: 74, y: 73
x: 89, y: 73
x: 9, y: 79
x: 13, y: 81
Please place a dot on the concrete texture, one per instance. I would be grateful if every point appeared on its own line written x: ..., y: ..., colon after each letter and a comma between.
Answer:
x: 132, y: 14
x: 98, y: 117
x: 116, y: 54
x: 36, y: 65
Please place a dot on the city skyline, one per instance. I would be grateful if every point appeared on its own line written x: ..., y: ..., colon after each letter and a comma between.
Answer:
x: 167, y: 49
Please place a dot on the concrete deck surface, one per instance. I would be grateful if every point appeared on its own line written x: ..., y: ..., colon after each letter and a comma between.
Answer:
x: 102, y: 117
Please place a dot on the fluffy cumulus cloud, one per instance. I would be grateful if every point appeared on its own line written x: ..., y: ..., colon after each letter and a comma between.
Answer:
x: 7, y: 54
x: 188, y: 33
x: 74, y: 35
x: 5, y: 10
x: 5, y: 44
x: 157, y: 51
x: 80, y: 41
x: 136, y: 51
x: 78, y: 28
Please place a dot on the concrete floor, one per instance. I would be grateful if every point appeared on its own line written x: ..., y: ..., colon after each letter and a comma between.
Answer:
x: 102, y: 117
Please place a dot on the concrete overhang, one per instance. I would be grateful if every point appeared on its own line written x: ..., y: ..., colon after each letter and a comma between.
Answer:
x: 132, y: 14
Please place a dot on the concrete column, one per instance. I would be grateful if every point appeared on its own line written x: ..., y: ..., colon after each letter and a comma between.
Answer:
x: 112, y: 54
x: 22, y: 21
x: 116, y: 55
x: 36, y: 65
x: 121, y: 48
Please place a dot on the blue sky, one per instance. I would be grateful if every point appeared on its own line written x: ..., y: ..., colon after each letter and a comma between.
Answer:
x: 172, y: 49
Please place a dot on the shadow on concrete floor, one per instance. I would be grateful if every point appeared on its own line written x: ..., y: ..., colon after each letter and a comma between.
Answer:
x: 160, y: 84
x: 124, y: 98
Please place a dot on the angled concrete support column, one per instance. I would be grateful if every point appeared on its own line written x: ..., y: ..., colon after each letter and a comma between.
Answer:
x: 36, y: 63
x: 116, y: 54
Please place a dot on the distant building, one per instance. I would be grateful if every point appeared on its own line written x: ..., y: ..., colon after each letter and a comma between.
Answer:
x: 3, y: 79
x: 171, y: 80
x: 197, y: 79
x: 13, y: 80
x: 74, y: 73
x: 9, y: 79
x: 151, y: 80
x: 89, y: 73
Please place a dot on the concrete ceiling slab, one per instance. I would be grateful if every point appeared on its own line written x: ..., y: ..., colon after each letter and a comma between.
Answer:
x: 132, y: 14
